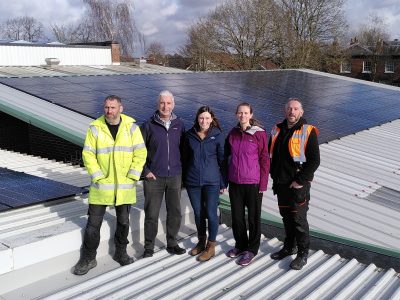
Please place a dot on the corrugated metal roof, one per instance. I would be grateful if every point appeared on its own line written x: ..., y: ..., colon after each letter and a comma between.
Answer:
x: 45, y: 168
x: 57, y: 70
x: 28, y: 72
x: 166, y: 276
x: 352, y: 169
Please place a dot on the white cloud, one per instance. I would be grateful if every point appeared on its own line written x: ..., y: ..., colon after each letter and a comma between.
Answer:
x: 170, y: 10
x: 166, y: 21
x: 46, y: 11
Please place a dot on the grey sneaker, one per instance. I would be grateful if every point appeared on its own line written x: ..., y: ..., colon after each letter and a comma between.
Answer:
x: 84, y: 265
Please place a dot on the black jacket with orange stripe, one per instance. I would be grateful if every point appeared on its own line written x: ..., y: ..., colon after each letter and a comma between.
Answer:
x: 283, y: 169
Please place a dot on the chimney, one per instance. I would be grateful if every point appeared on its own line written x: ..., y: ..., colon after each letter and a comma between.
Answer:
x: 353, y: 41
x: 115, y: 53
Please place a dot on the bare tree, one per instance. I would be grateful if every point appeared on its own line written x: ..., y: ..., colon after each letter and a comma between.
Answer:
x: 156, y: 52
x: 26, y: 28
x: 112, y: 20
x: 79, y: 33
x: 372, y: 35
x: 236, y: 35
x: 242, y: 28
x: 198, y: 45
x: 303, y: 27
x: 142, y: 42
x: 373, y: 31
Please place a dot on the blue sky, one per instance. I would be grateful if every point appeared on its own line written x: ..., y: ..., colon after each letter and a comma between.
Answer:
x: 166, y: 21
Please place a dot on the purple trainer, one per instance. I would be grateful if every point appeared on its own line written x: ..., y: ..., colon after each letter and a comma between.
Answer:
x: 234, y: 252
x: 246, y: 258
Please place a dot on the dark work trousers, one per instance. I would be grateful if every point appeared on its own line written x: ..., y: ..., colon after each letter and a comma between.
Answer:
x: 294, y: 216
x: 154, y: 192
x: 91, y: 238
x: 247, y: 196
x: 204, y: 200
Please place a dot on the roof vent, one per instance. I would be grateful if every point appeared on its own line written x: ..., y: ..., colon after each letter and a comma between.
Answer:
x: 51, y: 61
x: 141, y: 62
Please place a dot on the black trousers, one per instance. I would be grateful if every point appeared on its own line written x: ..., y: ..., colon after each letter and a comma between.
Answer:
x: 244, y: 196
x: 154, y: 192
x: 293, y: 207
x: 91, y: 238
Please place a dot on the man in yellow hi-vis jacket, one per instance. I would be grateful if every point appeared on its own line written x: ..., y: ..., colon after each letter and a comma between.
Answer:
x: 114, y: 154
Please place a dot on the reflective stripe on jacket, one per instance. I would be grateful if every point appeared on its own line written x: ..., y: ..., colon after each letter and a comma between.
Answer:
x: 297, y: 143
x: 114, y: 166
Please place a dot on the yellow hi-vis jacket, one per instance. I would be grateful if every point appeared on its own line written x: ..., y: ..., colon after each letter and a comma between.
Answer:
x: 297, y: 143
x: 114, y: 166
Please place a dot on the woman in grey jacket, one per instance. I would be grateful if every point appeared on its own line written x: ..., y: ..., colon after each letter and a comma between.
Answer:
x: 203, y: 160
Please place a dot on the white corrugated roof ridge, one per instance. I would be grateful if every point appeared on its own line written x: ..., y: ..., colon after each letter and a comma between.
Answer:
x: 166, y: 276
x: 45, y: 168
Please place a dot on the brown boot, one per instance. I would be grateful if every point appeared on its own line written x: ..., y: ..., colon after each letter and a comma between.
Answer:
x: 201, y: 245
x: 208, y: 253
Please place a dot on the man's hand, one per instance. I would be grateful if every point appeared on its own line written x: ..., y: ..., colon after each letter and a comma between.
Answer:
x: 295, y: 185
x: 151, y: 176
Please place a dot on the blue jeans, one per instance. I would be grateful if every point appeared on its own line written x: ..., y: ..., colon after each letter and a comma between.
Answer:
x: 204, y: 200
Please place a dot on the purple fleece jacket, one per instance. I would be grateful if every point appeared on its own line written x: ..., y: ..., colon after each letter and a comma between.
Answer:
x: 248, y: 158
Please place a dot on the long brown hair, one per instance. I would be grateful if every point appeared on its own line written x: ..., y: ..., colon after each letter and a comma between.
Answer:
x: 214, y: 123
x: 253, y: 121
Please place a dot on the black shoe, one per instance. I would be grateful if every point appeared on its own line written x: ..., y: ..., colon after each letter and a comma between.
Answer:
x: 84, y: 265
x: 123, y: 259
x: 299, y: 262
x: 148, y: 253
x: 281, y: 254
x: 176, y: 250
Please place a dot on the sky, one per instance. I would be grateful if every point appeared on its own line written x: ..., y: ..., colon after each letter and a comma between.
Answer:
x: 166, y: 21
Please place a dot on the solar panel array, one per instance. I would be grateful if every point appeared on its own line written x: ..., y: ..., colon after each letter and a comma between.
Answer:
x: 337, y: 107
x: 19, y: 189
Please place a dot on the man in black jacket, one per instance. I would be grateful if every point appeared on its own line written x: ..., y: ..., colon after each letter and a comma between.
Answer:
x: 294, y: 153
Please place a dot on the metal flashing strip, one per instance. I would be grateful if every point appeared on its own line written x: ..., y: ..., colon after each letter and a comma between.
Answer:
x: 52, y: 118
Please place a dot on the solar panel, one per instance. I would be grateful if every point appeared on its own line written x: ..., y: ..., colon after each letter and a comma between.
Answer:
x: 18, y: 189
x: 338, y: 106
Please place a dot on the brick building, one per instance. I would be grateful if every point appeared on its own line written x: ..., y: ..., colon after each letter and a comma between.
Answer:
x: 378, y: 63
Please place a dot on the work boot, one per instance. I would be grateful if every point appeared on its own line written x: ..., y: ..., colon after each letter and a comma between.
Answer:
x: 84, y: 265
x: 300, y: 261
x: 281, y: 254
x: 201, y: 245
x: 122, y: 257
x: 208, y: 252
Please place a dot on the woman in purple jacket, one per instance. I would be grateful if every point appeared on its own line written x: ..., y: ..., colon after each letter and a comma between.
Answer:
x: 246, y: 149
